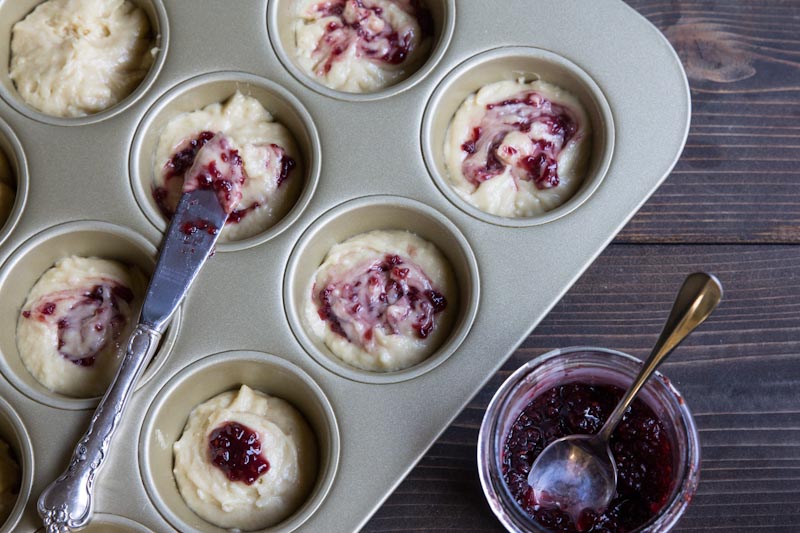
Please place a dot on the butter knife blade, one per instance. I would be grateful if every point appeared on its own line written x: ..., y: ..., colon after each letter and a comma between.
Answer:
x: 189, y: 241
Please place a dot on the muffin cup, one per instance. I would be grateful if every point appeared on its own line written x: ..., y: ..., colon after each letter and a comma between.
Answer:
x: 206, y: 378
x: 11, y: 147
x: 13, y: 431
x: 24, y: 268
x: 380, y: 213
x: 13, y: 12
x: 512, y: 63
x: 216, y: 87
x: 586, y: 365
x: 281, y: 36
x: 110, y: 523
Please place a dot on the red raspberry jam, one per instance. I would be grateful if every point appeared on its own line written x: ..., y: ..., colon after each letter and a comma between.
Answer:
x: 392, y: 294
x: 227, y: 181
x: 363, y: 26
x: 86, y: 319
x: 236, y: 450
x: 488, y: 155
x: 640, y: 445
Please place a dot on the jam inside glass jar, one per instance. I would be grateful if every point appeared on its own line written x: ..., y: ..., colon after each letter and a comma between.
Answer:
x: 573, y: 390
x: 640, y: 445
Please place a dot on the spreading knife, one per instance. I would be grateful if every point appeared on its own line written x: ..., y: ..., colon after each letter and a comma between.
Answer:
x: 66, y: 504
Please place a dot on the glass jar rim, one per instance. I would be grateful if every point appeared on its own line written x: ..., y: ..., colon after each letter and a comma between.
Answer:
x: 490, y: 441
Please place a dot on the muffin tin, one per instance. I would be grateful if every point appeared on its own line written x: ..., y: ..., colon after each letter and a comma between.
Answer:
x: 370, y: 162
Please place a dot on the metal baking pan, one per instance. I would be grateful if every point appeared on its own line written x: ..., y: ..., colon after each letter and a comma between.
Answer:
x: 370, y: 161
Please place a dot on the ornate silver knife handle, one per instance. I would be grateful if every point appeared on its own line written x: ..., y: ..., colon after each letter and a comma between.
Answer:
x: 66, y: 503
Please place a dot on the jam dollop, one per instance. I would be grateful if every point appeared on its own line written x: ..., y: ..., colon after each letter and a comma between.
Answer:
x: 640, y: 445
x: 86, y: 319
x: 236, y: 450
x: 525, y: 134
x: 363, y: 26
x: 391, y: 294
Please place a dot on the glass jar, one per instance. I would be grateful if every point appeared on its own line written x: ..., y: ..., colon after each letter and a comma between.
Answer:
x: 590, y: 366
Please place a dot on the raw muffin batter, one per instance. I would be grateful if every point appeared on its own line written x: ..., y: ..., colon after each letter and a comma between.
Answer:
x: 273, y: 178
x: 9, y: 481
x: 517, y: 149
x: 7, y: 194
x: 382, y: 300
x: 361, y: 46
x: 245, y: 460
x: 71, y: 58
x: 77, y: 318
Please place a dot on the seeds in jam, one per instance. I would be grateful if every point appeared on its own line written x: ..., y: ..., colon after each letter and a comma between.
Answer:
x: 548, y: 126
x: 391, y: 294
x: 640, y: 445
x: 236, y: 450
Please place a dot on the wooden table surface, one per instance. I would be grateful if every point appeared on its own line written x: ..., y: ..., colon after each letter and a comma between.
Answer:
x: 731, y: 207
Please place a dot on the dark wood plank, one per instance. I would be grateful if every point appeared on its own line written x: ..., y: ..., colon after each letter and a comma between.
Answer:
x: 739, y: 373
x: 738, y: 177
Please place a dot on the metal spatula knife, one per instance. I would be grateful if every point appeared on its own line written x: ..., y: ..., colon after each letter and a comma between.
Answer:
x: 67, y: 502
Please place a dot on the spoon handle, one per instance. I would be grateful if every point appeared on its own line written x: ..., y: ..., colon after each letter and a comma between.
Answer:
x: 697, y: 298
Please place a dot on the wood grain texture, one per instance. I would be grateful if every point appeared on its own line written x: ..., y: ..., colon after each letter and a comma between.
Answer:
x: 732, y: 207
x: 739, y: 373
x: 738, y: 178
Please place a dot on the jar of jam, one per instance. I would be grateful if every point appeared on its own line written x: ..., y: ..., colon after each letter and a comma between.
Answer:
x: 573, y: 390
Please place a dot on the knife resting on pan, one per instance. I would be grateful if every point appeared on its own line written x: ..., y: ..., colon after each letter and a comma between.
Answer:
x: 212, y: 188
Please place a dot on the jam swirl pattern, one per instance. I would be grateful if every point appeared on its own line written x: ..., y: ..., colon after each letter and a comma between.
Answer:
x: 86, y: 319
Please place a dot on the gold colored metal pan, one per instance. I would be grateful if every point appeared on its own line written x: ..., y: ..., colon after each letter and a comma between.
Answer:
x: 370, y: 162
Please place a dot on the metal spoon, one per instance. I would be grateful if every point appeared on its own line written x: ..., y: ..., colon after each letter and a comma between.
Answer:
x: 578, y: 472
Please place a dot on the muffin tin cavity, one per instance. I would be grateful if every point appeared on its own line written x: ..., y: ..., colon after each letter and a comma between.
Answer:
x: 13, y: 12
x: 15, y: 157
x: 13, y: 432
x: 513, y: 63
x: 218, y: 87
x: 110, y: 523
x: 206, y: 378
x: 36, y: 256
x: 381, y: 213
x: 280, y: 25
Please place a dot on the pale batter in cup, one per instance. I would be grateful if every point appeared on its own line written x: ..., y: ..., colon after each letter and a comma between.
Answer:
x: 361, y: 46
x: 75, y: 322
x: 382, y: 301
x: 269, y: 156
x: 72, y: 58
x: 245, y: 460
x: 517, y: 149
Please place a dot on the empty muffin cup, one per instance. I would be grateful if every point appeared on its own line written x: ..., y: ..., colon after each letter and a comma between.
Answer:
x: 16, y: 166
x: 167, y: 416
x: 664, y: 462
x: 13, y: 432
x: 37, y: 255
x: 437, y: 26
x: 218, y: 87
x: 514, y: 64
x: 364, y: 215
x: 110, y: 523
x: 13, y: 12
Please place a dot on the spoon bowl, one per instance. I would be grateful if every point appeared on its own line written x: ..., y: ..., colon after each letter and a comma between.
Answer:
x: 578, y: 473
x: 571, y: 471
